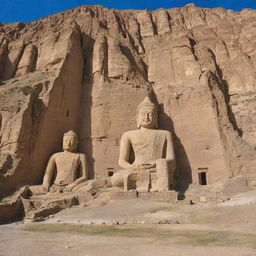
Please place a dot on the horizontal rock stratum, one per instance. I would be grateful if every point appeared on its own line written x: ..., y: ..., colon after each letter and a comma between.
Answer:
x: 87, y: 69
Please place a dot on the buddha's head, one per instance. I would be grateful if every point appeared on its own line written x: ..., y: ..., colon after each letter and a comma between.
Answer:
x: 70, y: 141
x: 147, y: 114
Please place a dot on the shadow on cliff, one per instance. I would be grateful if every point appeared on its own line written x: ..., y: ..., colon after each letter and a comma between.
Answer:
x: 225, y: 90
x: 85, y: 132
x: 183, y: 172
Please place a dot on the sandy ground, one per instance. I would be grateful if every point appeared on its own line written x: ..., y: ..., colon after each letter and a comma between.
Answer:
x: 16, y: 241
x: 203, y: 229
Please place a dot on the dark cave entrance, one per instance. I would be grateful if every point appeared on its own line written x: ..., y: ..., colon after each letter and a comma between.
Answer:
x: 202, y: 176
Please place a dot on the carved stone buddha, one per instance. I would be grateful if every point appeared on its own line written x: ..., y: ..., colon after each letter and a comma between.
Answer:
x: 154, y: 160
x: 66, y: 165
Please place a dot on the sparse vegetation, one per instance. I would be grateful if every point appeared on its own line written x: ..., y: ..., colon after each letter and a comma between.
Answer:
x: 187, y: 237
x: 164, y: 208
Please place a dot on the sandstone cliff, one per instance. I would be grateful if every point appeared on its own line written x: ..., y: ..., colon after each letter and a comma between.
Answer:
x: 88, y: 68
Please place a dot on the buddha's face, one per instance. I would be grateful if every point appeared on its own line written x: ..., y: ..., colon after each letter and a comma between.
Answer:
x: 70, y: 143
x: 147, y: 118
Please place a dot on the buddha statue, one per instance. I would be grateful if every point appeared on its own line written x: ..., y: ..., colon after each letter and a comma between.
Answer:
x: 67, y: 165
x: 66, y: 172
x: 154, y: 160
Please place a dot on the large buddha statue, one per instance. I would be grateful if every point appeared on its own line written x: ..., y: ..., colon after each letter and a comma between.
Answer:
x: 154, y: 161
x: 66, y: 165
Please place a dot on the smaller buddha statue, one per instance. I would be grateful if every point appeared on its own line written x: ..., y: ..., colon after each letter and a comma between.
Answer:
x: 154, y: 163
x: 66, y: 172
x: 67, y: 165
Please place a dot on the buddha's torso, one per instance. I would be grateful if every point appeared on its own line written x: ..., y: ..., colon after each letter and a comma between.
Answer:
x: 67, y: 164
x: 147, y: 144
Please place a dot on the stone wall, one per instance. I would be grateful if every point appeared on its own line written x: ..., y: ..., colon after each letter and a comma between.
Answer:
x: 88, y: 68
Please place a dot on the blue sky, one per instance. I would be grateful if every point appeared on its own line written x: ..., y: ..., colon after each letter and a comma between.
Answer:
x: 29, y: 10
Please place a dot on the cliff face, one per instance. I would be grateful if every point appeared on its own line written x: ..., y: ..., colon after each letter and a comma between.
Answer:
x: 87, y: 69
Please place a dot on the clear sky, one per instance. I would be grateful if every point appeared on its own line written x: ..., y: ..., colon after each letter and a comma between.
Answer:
x: 29, y: 10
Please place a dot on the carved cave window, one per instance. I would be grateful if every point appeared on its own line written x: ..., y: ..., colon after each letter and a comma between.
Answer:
x: 202, y: 176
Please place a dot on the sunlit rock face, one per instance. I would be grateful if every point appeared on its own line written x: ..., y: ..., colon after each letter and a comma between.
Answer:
x: 87, y: 69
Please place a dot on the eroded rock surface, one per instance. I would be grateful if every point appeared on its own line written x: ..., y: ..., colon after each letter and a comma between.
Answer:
x: 87, y: 69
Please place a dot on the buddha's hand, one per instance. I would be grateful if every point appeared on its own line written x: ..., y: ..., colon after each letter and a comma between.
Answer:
x: 145, y: 166
x: 46, y: 187
x: 149, y: 165
x: 69, y: 188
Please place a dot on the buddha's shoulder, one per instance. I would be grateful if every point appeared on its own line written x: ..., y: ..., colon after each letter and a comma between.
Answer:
x: 58, y: 154
x: 81, y: 154
x: 130, y: 133
x: 164, y: 132
x: 137, y: 132
x: 64, y: 154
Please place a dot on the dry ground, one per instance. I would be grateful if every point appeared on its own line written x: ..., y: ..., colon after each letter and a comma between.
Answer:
x: 203, y: 229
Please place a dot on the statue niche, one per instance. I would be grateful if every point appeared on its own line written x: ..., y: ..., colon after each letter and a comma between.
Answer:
x: 67, y: 164
x: 65, y: 167
x: 154, y: 163
x: 63, y: 183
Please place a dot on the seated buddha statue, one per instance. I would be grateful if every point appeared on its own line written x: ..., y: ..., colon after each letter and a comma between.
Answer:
x: 65, y: 166
x: 65, y: 172
x: 154, y: 162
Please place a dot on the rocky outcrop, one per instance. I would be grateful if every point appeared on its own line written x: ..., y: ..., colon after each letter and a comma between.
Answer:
x: 87, y: 69
x: 37, y: 107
